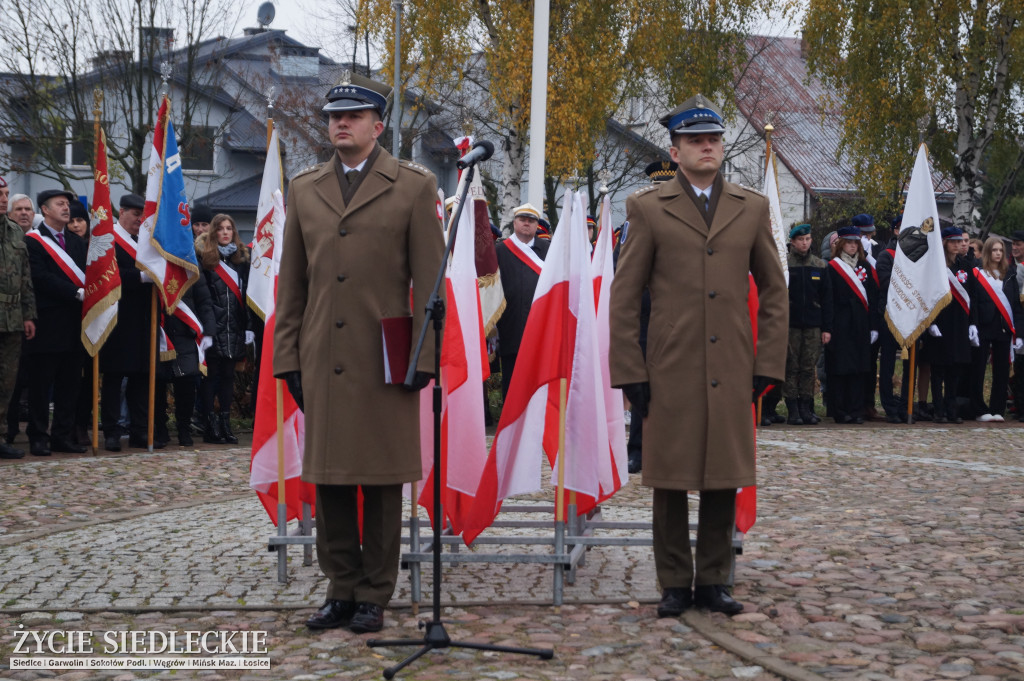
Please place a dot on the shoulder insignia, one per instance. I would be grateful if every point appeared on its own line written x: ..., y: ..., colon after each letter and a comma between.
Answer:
x: 752, y: 190
x: 644, y: 190
x: 307, y: 170
x: 423, y: 170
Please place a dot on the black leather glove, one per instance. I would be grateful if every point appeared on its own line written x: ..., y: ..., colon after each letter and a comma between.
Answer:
x: 762, y: 384
x: 638, y: 394
x: 419, y: 381
x: 293, y: 379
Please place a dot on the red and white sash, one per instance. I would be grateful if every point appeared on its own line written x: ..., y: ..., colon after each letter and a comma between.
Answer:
x: 959, y: 292
x: 851, y: 278
x: 230, y: 278
x: 526, y: 254
x: 994, y: 288
x: 189, y: 319
x: 61, y: 257
x: 123, y: 239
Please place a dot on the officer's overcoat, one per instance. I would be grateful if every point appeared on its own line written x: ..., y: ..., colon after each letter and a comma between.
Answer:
x: 700, y: 351
x: 343, y: 269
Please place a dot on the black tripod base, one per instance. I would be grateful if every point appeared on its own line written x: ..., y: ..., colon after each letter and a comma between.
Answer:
x: 436, y: 638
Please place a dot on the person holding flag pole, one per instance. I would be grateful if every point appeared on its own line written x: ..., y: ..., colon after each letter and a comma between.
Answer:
x: 165, y: 254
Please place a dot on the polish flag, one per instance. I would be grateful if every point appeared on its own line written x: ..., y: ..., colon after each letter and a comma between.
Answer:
x: 263, y: 471
x: 560, y: 342
x: 464, y: 368
x: 612, y: 468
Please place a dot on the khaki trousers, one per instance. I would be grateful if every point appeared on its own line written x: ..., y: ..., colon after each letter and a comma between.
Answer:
x: 365, y: 572
x: 673, y: 559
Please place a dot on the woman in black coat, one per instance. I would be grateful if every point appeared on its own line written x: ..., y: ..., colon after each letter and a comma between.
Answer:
x: 225, y: 261
x: 854, y: 327
x: 992, y: 294
x: 946, y: 345
x: 195, y: 308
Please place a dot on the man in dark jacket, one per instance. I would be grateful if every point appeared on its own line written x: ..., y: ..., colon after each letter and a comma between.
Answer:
x: 125, y: 355
x: 889, y: 348
x: 810, y: 324
x: 57, y: 263
x: 520, y: 258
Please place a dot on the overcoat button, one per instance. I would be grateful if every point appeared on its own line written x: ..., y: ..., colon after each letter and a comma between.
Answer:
x: 339, y: 323
x: 343, y: 232
x: 711, y: 251
x: 714, y: 384
x: 714, y: 339
x: 337, y: 370
x: 711, y: 294
x: 341, y: 277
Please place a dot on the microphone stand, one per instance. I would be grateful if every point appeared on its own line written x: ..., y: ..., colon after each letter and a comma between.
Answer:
x: 435, y: 637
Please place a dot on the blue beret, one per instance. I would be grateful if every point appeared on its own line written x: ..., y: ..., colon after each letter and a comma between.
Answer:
x: 799, y: 230
x: 848, y: 233
x: 952, y: 233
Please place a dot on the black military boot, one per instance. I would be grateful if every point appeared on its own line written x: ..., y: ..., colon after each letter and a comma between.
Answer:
x: 807, y: 414
x: 211, y: 430
x: 225, y: 428
x: 794, y: 413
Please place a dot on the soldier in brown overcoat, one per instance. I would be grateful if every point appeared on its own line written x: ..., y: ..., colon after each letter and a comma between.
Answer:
x: 359, y: 229
x: 692, y: 241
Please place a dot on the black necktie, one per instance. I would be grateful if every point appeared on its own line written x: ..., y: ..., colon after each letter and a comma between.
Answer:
x: 352, y: 176
x: 707, y: 202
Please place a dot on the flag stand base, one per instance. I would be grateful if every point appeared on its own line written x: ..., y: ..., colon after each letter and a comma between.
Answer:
x: 435, y: 636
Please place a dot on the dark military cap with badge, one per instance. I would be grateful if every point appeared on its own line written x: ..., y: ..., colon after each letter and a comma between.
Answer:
x: 659, y: 171
x: 695, y: 116
x: 799, y: 230
x: 355, y: 93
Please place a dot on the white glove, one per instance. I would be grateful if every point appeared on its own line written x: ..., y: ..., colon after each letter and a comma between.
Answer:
x: 1018, y: 345
x: 934, y: 331
x: 144, y: 278
x: 80, y: 295
x: 250, y: 337
x: 972, y: 335
x: 205, y: 344
x: 874, y: 337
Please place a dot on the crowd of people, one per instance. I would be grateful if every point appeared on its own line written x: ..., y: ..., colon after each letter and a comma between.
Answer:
x: 839, y: 335
x: 42, y: 356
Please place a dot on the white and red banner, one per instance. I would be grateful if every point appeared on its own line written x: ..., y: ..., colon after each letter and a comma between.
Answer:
x: 560, y: 342
x: 959, y: 292
x: 68, y: 266
x: 918, y: 290
x: 102, y: 278
x: 260, y: 292
x: 166, y: 251
x: 264, y: 469
x: 993, y: 288
x: 852, y: 279
x: 771, y: 190
x: 464, y: 368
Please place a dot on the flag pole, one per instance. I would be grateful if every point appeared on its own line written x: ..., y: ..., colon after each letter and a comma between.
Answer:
x: 97, y: 111
x: 560, y: 499
x: 152, y: 370
x: 910, y: 387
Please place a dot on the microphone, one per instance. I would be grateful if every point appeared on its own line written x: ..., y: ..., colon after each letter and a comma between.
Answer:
x: 482, y: 151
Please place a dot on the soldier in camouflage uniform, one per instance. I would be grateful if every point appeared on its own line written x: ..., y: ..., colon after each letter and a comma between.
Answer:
x: 810, y: 325
x: 17, y: 308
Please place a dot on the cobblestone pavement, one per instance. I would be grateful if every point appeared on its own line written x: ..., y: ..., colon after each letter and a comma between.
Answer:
x: 879, y: 553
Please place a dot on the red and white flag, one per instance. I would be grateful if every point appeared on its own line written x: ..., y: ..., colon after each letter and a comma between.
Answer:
x: 463, y: 370
x: 611, y: 469
x: 102, y: 278
x: 260, y: 292
x: 263, y: 472
x: 560, y: 342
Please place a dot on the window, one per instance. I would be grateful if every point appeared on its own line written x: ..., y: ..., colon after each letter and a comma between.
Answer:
x: 196, y: 145
x: 79, y: 145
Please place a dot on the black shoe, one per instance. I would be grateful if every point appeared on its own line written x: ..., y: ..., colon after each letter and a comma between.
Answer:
x: 716, y: 598
x: 843, y: 419
x: 185, y: 439
x: 675, y: 601
x: 893, y: 418
x: 39, y: 448
x: 777, y: 418
x: 766, y: 421
x: 143, y: 443
x: 225, y: 428
x: 66, y: 447
x: 858, y: 420
x: 8, y: 452
x: 9, y: 437
x: 635, y: 462
x: 332, y: 614
x: 794, y: 413
x: 957, y: 419
x: 112, y: 443
x: 939, y: 418
x: 369, y: 617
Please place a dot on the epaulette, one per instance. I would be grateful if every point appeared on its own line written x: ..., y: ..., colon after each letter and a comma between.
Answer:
x: 415, y: 166
x: 752, y: 190
x: 644, y: 190
x: 307, y: 170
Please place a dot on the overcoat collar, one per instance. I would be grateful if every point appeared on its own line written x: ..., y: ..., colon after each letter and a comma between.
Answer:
x: 677, y: 203
x: 378, y: 180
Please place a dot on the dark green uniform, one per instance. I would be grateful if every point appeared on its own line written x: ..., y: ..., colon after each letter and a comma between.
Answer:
x: 810, y: 313
x: 17, y: 305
